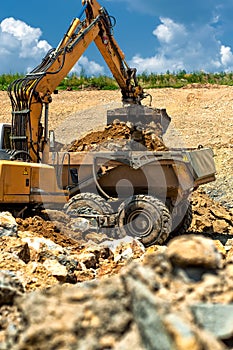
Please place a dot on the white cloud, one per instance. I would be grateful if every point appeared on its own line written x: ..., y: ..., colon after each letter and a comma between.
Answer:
x: 21, y: 49
x: 20, y: 30
x: 182, y: 47
x: 179, y: 46
x: 226, y: 56
x: 169, y: 31
x: 89, y: 67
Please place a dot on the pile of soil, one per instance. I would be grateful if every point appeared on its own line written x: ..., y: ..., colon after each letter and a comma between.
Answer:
x: 209, y: 218
x: 123, y: 136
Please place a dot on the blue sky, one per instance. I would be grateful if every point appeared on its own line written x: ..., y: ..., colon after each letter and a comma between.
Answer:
x: 155, y: 35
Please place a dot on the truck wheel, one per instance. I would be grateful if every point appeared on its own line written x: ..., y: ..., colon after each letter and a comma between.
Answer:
x: 87, y: 203
x: 146, y: 218
x: 184, y: 219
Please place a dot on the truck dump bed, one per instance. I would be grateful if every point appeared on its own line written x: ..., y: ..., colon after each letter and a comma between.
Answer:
x: 163, y: 174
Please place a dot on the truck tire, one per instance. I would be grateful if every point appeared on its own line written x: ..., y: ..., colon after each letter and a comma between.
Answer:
x: 184, y: 219
x: 146, y: 218
x: 87, y: 203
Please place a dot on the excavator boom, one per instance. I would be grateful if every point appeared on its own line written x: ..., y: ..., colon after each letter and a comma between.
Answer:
x: 32, y: 94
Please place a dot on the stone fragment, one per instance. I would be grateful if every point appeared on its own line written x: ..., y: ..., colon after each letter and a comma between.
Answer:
x: 96, y: 237
x: 229, y: 244
x: 10, y: 287
x: 8, y: 225
x: 216, y: 318
x: 220, y: 226
x: 191, y: 250
x: 221, y: 213
x: 220, y: 247
x: 36, y: 276
x: 145, y: 308
x: 41, y: 247
x: 126, y: 248
x: 56, y: 269
x: 89, y: 260
x: 230, y: 255
x: 15, y: 246
x: 182, y: 332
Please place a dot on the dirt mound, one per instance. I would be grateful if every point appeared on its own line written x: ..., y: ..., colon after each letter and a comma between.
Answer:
x: 120, y: 135
x: 53, y: 230
x: 209, y: 218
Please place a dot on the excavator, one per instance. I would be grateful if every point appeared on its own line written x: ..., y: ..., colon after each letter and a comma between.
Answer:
x: 33, y: 94
x: 33, y: 175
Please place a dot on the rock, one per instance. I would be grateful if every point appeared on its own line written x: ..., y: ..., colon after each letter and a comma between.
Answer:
x: 140, y: 307
x: 11, y: 324
x: 221, y: 214
x: 85, y: 275
x: 36, y: 276
x: 182, y: 332
x: 149, y: 321
x: 10, y: 287
x: 89, y: 260
x: 76, y: 317
x: 15, y: 246
x: 220, y: 226
x: 8, y: 225
x: 193, y: 250
x: 220, y: 247
x: 230, y: 255
x: 100, y: 251
x: 96, y: 237
x: 126, y: 248
x: 56, y: 269
x: 44, y: 248
x: 215, y: 318
x: 229, y: 244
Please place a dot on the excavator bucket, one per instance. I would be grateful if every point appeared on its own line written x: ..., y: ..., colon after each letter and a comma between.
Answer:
x: 140, y: 114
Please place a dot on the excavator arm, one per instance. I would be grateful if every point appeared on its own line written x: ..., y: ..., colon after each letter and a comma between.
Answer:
x: 31, y: 95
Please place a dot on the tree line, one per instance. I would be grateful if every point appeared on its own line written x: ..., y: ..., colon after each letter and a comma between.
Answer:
x: 147, y: 81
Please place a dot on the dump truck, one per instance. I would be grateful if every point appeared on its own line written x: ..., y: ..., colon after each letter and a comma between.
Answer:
x: 124, y: 188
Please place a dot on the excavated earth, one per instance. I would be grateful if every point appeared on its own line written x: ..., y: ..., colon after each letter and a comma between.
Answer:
x: 63, y: 288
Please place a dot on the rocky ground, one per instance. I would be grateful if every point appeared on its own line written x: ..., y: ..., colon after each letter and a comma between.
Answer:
x: 65, y: 289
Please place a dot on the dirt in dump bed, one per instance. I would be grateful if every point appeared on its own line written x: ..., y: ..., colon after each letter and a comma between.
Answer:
x: 122, y: 136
